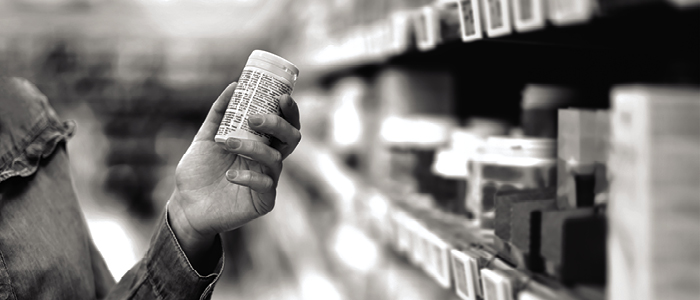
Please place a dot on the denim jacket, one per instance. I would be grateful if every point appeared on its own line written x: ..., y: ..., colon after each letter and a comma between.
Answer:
x: 46, y: 251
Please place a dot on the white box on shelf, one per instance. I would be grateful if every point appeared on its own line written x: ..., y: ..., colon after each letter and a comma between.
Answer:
x: 466, y: 275
x: 427, y: 28
x: 528, y: 15
x: 497, y: 17
x: 654, y: 205
x: 431, y: 257
x: 470, y: 20
x: 497, y: 286
x: 400, y: 31
x: 439, y: 266
x: 417, y: 250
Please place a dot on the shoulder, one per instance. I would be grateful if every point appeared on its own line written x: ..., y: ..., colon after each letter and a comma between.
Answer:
x: 19, y: 89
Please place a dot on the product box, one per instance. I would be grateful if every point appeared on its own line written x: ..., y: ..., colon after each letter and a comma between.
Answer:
x: 654, y: 207
x: 583, y: 145
x: 497, y: 17
x: 529, y: 15
x: 467, y: 276
x: 418, y: 245
x: 583, y: 135
x: 471, y: 20
x: 526, y: 234
x: 439, y: 262
x: 504, y: 207
x: 427, y: 28
x: 497, y: 285
x: 518, y: 223
x: 449, y: 18
x: 573, y: 245
x: 401, y: 29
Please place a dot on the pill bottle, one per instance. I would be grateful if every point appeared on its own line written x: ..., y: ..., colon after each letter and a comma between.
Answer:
x: 264, y: 79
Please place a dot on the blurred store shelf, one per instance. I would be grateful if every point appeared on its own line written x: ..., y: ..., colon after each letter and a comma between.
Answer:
x: 430, y: 240
x: 140, y: 75
x: 410, y: 29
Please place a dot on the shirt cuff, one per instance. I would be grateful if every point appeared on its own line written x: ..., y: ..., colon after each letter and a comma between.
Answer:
x: 172, y: 274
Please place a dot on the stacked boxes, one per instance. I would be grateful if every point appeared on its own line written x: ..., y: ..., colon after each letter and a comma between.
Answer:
x: 654, y: 210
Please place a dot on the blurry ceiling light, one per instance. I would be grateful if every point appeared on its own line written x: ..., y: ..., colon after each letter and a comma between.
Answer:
x: 315, y: 286
x: 114, y: 244
x: 355, y: 249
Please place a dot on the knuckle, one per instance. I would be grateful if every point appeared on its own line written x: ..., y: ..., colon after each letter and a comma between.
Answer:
x: 254, y: 147
x: 276, y: 157
x: 274, y: 123
x: 244, y: 147
x: 243, y: 176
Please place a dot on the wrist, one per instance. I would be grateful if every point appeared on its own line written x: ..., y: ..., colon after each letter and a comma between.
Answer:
x: 194, y: 243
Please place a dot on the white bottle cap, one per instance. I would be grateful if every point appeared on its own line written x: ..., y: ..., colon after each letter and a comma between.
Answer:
x: 274, y: 60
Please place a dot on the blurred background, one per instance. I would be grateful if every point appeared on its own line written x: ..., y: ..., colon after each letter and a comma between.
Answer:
x: 452, y: 148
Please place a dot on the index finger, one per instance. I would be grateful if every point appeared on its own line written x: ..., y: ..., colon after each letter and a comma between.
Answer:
x: 216, y: 113
x: 290, y: 111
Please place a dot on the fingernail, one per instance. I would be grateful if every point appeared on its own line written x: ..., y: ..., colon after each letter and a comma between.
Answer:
x: 233, y: 143
x: 231, y: 174
x: 255, y: 120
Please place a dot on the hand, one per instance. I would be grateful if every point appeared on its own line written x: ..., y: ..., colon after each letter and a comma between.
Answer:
x: 218, y: 190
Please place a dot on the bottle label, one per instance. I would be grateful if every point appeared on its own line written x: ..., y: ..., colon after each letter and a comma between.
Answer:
x: 257, y: 92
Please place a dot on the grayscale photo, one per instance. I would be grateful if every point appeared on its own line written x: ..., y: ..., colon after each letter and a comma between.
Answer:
x: 350, y: 149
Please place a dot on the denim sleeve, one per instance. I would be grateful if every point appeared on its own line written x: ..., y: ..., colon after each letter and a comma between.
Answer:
x: 166, y: 273
x: 46, y: 251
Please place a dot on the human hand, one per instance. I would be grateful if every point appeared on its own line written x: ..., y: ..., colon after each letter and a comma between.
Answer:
x: 218, y: 190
